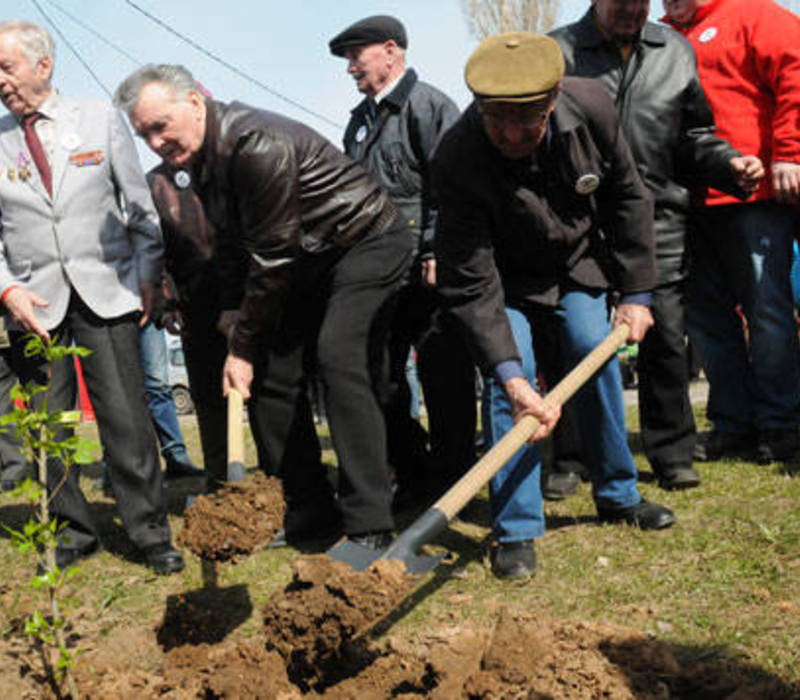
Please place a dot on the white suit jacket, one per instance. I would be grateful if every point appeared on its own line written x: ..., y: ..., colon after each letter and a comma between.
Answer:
x: 98, y: 234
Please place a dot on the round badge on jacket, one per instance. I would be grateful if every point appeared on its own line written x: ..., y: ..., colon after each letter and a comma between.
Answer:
x: 361, y: 134
x: 586, y: 184
x: 708, y: 35
x: 69, y: 142
x: 182, y: 179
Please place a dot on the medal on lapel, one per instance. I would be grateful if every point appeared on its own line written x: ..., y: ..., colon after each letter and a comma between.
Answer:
x: 361, y: 134
x: 12, y: 174
x: 23, y: 167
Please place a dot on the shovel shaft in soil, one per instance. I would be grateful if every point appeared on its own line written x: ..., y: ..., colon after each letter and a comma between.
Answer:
x: 235, y: 436
x: 436, y: 518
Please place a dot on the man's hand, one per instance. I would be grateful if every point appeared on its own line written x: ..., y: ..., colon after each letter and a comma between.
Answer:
x: 147, y: 291
x: 526, y: 402
x: 786, y: 182
x: 638, y: 318
x: 749, y: 172
x: 173, y: 321
x: 21, y: 304
x: 237, y: 374
x: 227, y: 322
x: 429, y: 272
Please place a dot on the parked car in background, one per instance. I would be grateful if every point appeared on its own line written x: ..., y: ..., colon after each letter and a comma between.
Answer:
x: 178, y: 378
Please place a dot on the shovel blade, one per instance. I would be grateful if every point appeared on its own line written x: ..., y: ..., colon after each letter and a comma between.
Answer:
x: 359, y: 558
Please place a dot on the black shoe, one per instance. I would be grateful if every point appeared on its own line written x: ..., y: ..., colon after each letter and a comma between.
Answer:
x: 163, y: 558
x: 7, y: 485
x: 777, y: 445
x: 312, y: 521
x: 182, y: 470
x: 68, y: 556
x: 715, y: 445
x: 672, y: 477
x: 560, y: 485
x: 515, y: 560
x: 644, y: 515
x: 373, y: 540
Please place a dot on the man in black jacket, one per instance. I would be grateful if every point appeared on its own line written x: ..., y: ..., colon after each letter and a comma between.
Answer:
x: 650, y: 73
x: 310, y: 250
x: 392, y: 132
x: 541, y: 211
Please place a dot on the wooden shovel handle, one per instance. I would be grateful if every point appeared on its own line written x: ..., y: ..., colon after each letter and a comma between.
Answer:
x: 485, y: 468
x: 235, y: 427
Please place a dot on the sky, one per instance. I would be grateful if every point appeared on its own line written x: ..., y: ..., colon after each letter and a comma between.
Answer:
x: 281, y: 43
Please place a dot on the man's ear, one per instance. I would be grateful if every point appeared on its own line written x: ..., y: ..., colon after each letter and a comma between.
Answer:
x: 44, y: 68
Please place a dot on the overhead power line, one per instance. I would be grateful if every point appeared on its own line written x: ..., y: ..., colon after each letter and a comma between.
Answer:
x: 230, y: 66
x: 95, y: 33
x: 38, y: 6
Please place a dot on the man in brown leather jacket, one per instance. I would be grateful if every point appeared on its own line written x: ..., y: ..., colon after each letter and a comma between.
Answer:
x: 309, y: 253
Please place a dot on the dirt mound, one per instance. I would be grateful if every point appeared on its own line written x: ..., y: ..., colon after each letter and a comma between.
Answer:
x: 314, y: 622
x: 237, y: 520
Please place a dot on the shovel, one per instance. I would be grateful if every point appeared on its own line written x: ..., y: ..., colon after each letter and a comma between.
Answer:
x: 235, y: 436
x: 436, y: 518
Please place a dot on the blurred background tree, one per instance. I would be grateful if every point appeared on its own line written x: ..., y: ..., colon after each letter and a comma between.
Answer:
x: 485, y: 17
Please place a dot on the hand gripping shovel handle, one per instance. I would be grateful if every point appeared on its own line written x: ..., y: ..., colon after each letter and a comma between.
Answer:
x: 483, y: 470
x: 235, y: 436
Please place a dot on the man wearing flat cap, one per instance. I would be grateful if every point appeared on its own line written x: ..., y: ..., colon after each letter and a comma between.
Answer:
x: 541, y: 212
x: 392, y: 132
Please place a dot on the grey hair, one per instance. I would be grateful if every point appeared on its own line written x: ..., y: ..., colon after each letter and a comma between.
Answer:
x: 35, y: 41
x: 178, y: 78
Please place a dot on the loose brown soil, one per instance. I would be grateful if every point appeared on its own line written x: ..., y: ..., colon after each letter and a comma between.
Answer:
x: 236, y: 521
x: 316, y: 641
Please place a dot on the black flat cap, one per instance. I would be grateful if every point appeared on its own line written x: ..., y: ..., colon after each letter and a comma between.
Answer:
x: 370, y: 30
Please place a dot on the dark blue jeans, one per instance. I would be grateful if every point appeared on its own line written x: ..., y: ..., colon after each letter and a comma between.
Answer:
x: 742, y: 254
x: 516, y: 496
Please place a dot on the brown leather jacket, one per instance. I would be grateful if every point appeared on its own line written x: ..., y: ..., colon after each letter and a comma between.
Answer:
x: 276, y: 191
x: 522, y: 232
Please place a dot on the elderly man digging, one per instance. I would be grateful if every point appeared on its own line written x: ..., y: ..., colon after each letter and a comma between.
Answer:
x: 541, y: 212
x: 318, y: 250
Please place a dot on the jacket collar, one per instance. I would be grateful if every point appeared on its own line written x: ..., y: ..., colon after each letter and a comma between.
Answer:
x: 588, y: 34
x: 203, y: 168
x: 396, y: 98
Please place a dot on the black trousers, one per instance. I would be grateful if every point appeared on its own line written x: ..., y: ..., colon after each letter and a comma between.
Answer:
x: 665, y: 410
x: 446, y: 371
x: 337, y: 311
x: 114, y: 380
x: 204, y: 350
x: 13, y: 466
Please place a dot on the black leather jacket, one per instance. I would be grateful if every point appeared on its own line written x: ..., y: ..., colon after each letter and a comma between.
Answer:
x: 397, y: 148
x: 276, y: 191
x: 665, y: 118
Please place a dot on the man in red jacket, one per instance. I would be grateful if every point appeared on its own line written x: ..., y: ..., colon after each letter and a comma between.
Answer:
x: 748, y: 54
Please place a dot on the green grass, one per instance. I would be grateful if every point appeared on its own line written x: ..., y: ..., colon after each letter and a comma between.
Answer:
x: 725, y: 581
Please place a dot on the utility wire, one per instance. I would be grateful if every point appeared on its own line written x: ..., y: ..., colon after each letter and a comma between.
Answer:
x: 95, y: 33
x: 71, y: 47
x: 231, y: 67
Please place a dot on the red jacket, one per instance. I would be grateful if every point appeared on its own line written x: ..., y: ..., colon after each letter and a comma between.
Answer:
x: 748, y: 57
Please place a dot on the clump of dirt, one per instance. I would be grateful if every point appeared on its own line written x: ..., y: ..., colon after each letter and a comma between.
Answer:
x: 237, y: 520
x: 314, y: 622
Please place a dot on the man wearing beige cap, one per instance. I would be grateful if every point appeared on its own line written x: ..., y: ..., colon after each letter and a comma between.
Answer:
x: 541, y: 212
